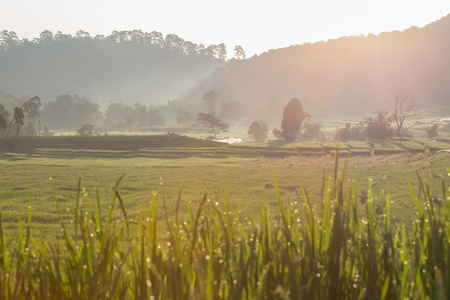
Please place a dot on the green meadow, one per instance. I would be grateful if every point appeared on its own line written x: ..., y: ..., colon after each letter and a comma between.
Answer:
x: 168, y: 165
x: 187, y: 219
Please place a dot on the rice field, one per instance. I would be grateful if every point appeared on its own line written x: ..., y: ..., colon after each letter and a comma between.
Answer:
x: 322, y: 244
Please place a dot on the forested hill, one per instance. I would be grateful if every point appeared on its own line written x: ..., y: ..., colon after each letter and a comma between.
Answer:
x: 132, y: 66
x: 349, y: 74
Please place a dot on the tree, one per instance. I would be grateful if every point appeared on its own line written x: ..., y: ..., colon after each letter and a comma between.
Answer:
x: 312, y: 131
x: 19, y: 116
x: 86, y: 129
x: 293, y: 116
x: 432, y: 131
x: 239, y: 52
x: 3, y: 117
x: 70, y: 112
x: 404, y: 108
x: 31, y: 109
x: 258, y: 130
x: 215, y: 124
x: 3, y: 123
x: 211, y: 99
x: 378, y: 127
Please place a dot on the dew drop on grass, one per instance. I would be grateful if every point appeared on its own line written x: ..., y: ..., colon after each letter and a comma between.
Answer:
x: 318, y: 275
x: 207, y: 257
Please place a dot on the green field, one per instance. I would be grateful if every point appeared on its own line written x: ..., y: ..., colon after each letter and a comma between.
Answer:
x: 193, y: 219
x: 164, y: 164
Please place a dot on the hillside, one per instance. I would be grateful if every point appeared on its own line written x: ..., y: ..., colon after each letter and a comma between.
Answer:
x: 351, y: 74
x: 132, y: 66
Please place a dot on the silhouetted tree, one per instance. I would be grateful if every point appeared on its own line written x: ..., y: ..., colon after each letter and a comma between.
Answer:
x: 349, y: 132
x: 3, y: 123
x: 258, y: 130
x: 19, y: 116
x: 378, y: 127
x: 4, y: 114
x: 70, y: 112
x: 239, y: 52
x: 118, y: 111
x: 432, y: 131
x: 215, y: 124
x: 211, y: 99
x: 31, y: 110
x: 312, y: 131
x: 404, y: 107
x: 86, y: 129
x: 293, y: 116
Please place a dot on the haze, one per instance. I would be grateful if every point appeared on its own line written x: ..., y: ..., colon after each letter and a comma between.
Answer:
x: 255, y: 25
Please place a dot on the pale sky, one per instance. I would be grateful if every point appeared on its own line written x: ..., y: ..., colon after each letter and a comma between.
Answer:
x: 255, y: 25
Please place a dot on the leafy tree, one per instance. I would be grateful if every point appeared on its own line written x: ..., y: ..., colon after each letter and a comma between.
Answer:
x: 239, y: 52
x: 19, y: 116
x: 118, y: 111
x: 3, y: 111
x: 293, y: 116
x: 3, y: 123
x: 70, y: 112
x: 312, y: 131
x: 378, y: 127
x: 31, y: 110
x: 86, y: 129
x: 278, y: 134
x: 349, y: 132
x: 215, y: 124
x: 211, y: 99
x: 404, y: 108
x: 432, y: 131
x: 183, y: 115
x: 258, y: 130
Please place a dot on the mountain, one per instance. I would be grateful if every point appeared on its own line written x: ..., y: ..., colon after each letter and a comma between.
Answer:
x: 132, y: 66
x: 348, y: 75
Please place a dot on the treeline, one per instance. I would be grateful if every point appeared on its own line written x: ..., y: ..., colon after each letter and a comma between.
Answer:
x: 129, y: 65
x: 9, y: 41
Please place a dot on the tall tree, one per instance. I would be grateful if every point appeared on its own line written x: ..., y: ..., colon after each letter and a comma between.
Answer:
x: 215, y: 124
x: 3, y: 123
x: 19, y: 116
x: 258, y: 130
x: 239, y: 52
x: 404, y: 108
x: 211, y: 99
x: 31, y: 110
x: 293, y: 116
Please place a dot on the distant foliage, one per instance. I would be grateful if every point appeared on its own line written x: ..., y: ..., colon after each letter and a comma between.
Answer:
x: 432, y: 131
x: 86, y: 129
x: 378, y: 127
x: 19, y: 117
x: 155, y: 40
x: 351, y: 132
x: 70, y: 112
x: 215, y: 124
x: 293, y: 116
x: 258, y: 131
x: 312, y: 132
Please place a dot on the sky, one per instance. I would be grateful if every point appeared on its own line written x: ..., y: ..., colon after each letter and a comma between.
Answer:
x: 257, y: 26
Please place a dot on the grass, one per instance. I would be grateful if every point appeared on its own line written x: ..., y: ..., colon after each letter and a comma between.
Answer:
x: 338, y: 249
